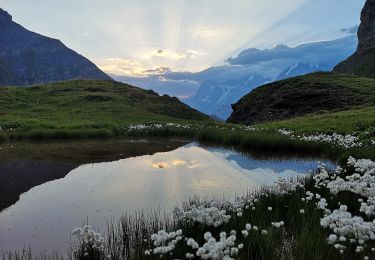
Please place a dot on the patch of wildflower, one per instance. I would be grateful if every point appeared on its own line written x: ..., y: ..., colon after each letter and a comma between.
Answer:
x: 164, y: 242
x: 344, y: 141
x: 224, y: 249
x: 152, y: 126
x: 344, y: 225
x: 286, y: 132
x: 210, y: 215
x: 89, y: 242
x: 348, y: 227
x: 277, y: 224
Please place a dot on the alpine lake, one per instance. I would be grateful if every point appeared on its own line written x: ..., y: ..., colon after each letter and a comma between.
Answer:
x: 49, y: 188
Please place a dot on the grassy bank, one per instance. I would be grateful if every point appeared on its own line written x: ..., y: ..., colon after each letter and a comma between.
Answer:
x: 262, y: 138
x: 349, y: 121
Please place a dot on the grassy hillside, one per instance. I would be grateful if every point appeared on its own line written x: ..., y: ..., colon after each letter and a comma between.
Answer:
x: 86, y: 104
x: 343, y: 122
x: 294, y: 97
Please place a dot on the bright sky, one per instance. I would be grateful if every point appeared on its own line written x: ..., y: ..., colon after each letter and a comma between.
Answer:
x: 138, y: 37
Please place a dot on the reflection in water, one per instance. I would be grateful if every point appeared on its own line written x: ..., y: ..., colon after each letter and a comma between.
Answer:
x: 26, y: 165
x: 45, y: 215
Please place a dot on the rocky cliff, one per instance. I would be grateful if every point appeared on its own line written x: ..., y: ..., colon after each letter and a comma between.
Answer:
x: 362, y: 62
x: 28, y: 58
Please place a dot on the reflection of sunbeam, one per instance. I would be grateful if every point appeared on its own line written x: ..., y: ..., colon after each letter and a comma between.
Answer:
x: 206, y: 184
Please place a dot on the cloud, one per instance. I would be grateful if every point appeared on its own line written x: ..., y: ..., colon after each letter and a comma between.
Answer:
x: 329, y: 52
x: 154, y: 62
x: 157, y: 70
x: 121, y: 66
x: 350, y: 30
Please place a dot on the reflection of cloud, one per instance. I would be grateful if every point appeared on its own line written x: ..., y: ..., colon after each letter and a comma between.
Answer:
x: 178, y: 162
x: 190, y: 164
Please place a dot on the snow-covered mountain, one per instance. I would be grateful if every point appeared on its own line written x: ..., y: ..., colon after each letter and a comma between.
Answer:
x: 215, y: 97
x: 298, y: 69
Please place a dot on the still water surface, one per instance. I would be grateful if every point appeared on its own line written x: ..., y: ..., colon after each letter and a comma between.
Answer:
x: 44, y: 216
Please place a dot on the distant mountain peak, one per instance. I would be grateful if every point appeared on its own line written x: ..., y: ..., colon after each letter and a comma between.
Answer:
x: 28, y: 58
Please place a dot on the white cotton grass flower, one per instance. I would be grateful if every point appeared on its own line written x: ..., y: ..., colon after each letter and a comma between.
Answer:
x: 344, y: 141
x: 302, y: 211
x: 192, y: 243
x: 89, y: 240
x: 277, y: 224
x: 345, y: 226
x: 225, y: 248
x: 248, y: 227
x: 206, y: 215
x: 141, y: 127
x: 332, y: 239
x: 165, y: 242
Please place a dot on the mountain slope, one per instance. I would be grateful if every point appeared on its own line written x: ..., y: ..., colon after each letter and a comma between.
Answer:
x: 362, y: 62
x: 303, y: 95
x: 87, y: 104
x: 28, y: 58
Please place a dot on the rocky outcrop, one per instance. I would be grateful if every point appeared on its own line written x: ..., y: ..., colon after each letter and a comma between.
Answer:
x: 362, y: 62
x: 28, y: 58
